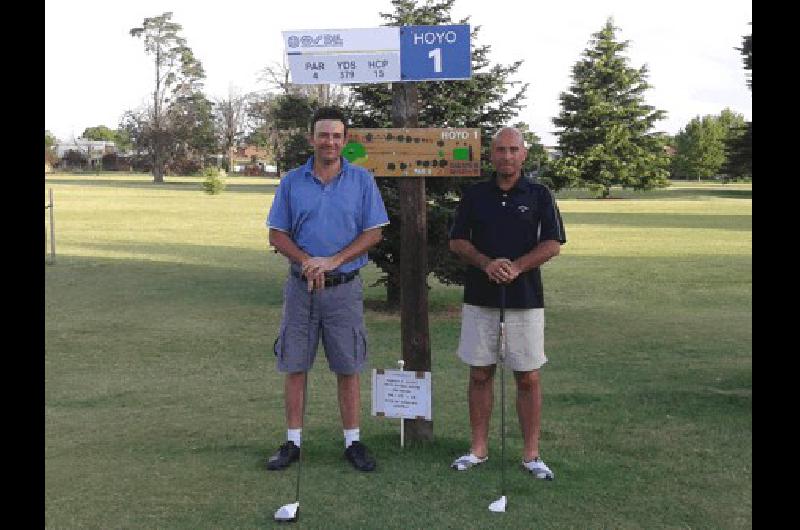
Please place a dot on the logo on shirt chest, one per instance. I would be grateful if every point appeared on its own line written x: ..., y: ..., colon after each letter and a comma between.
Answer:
x: 522, y: 208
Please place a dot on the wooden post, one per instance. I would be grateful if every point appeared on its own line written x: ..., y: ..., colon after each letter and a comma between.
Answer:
x: 413, y: 260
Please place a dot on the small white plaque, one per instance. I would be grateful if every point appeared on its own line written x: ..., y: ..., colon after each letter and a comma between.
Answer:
x: 401, y: 394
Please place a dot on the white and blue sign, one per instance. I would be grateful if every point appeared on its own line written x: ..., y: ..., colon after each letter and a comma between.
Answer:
x: 435, y: 53
x: 379, y: 55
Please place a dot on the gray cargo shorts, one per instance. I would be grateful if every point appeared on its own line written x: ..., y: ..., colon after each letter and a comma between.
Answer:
x: 334, y: 314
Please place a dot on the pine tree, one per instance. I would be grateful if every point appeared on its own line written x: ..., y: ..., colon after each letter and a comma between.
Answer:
x: 488, y: 101
x: 740, y: 148
x: 606, y: 137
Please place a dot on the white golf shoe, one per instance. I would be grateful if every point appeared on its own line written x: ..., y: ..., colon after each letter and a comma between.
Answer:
x: 463, y: 463
x: 538, y: 469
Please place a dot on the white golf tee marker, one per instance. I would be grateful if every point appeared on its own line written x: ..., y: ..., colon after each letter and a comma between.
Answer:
x: 401, y: 363
x: 287, y: 512
x: 498, y: 506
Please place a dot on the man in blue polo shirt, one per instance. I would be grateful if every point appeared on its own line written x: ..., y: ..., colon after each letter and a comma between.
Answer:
x: 505, y: 229
x: 324, y: 218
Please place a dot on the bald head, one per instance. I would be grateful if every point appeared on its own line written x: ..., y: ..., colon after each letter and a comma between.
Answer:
x: 508, y: 153
x: 511, y: 133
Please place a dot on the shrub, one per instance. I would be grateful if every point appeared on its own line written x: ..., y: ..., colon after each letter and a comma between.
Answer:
x: 110, y: 162
x: 214, y: 181
x: 183, y: 166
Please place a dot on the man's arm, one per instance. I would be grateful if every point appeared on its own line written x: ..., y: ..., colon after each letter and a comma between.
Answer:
x: 314, y: 268
x: 284, y: 244
x: 543, y: 252
x: 503, y: 270
x: 360, y: 245
x: 495, y: 269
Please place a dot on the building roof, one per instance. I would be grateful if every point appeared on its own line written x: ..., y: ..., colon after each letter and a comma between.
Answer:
x: 247, y: 152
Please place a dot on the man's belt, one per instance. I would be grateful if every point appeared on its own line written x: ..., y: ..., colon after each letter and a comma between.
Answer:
x: 331, y: 279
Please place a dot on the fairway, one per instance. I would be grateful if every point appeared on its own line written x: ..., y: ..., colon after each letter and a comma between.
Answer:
x: 162, y: 399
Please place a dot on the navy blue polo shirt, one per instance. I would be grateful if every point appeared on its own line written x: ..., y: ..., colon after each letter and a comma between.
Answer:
x: 506, y: 224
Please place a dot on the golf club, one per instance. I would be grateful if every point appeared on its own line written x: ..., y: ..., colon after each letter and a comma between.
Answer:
x: 499, y: 505
x: 289, y: 513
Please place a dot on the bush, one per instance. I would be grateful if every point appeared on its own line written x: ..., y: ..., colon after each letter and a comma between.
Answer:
x: 183, y: 166
x: 214, y: 181
x: 141, y: 163
x: 111, y: 162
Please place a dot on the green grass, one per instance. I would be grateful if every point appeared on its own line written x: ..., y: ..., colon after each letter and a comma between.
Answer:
x: 161, y: 397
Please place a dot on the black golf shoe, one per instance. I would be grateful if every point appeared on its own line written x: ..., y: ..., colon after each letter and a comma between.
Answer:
x: 358, y: 456
x: 286, y: 454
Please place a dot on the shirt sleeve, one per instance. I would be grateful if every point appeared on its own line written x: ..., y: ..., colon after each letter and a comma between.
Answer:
x: 280, y: 217
x: 461, y: 228
x: 373, y: 211
x: 552, y: 227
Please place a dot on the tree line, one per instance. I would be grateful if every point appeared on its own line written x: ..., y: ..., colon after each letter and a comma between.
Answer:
x: 606, y: 131
x: 606, y: 135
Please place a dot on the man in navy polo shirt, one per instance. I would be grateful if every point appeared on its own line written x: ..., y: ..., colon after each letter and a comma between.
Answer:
x: 505, y: 229
x: 325, y: 215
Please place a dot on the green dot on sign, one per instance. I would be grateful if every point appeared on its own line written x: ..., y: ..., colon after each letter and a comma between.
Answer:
x: 353, y: 151
x: 460, y: 153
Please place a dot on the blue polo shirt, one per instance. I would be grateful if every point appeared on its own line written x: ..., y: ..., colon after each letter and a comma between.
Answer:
x: 506, y: 224
x: 322, y: 219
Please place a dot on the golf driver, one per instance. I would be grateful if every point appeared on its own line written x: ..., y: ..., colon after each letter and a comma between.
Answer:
x: 499, y: 505
x: 289, y: 513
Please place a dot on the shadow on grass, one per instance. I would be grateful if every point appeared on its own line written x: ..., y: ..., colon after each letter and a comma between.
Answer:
x: 192, y: 186
x: 662, y: 220
x: 132, y: 281
x: 677, y: 193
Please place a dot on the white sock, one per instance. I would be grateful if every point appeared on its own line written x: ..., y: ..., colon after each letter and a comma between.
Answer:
x: 294, y: 435
x: 350, y: 436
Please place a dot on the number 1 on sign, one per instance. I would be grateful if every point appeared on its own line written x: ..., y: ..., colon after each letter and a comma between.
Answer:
x: 436, y: 55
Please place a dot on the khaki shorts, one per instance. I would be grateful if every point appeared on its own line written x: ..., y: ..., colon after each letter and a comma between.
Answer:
x: 480, y: 329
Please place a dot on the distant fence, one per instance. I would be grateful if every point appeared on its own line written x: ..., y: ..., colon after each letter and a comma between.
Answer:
x: 49, y: 206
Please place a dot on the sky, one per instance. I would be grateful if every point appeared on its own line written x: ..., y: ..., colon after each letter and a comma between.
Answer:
x: 95, y: 71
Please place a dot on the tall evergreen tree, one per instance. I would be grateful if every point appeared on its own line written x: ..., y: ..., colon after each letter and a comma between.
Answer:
x: 488, y: 101
x: 740, y: 149
x: 747, y: 57
x: 606, y: 137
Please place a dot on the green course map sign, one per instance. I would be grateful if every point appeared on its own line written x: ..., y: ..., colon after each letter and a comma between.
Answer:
x: 416, y: 152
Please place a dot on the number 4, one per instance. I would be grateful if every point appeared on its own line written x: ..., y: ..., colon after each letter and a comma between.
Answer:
x: 436, y: 55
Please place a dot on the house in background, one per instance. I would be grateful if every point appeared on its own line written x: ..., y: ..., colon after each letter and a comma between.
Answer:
x: 90, y: 151
x: 252, y: 160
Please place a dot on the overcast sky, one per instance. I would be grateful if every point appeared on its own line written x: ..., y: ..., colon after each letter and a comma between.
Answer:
x: 94, y: 70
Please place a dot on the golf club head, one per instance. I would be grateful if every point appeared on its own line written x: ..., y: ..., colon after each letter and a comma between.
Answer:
x: 288, y: 512
x: 498, y: 506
